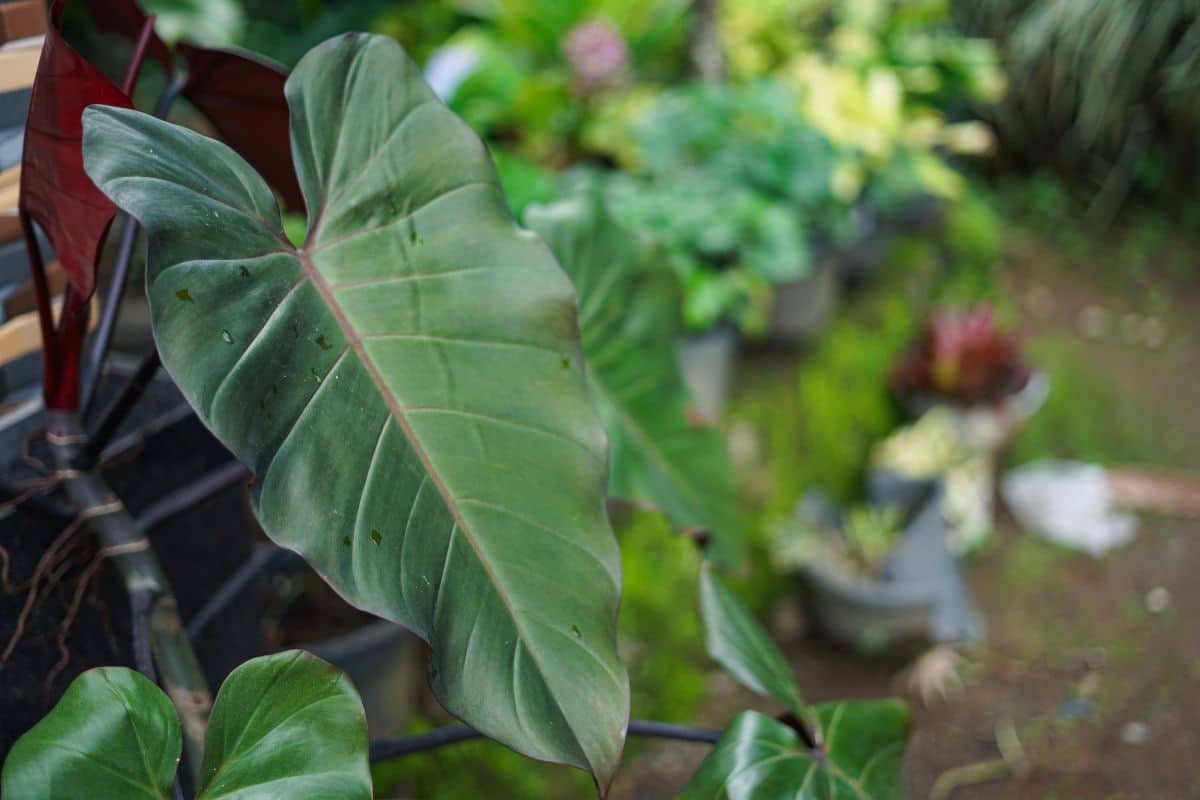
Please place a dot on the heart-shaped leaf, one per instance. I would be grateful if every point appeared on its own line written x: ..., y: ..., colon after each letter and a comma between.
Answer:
x: 628, y: 323
x: 241, y: 93
x: 758, y: 758
x: 286, y: 725
x: 125, y: 18
x: 55, y: 190
x: 113, y: 735
x: 738, y: 643
x: 407, y: 386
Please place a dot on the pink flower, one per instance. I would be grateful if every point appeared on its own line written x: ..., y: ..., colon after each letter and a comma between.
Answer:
x: 597, y: 54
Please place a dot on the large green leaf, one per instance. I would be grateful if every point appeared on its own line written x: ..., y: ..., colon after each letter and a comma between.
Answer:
x: 113, y: 736
x: 407, y: 386
x: 628, y: 321
x: 286, y: 725
x: 738, y: 643
x: 758, y: 758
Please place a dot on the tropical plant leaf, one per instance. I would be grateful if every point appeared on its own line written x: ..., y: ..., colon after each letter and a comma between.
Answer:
x: 240, y: 92
x: 55, y: 190
x: 758, y: 758
x: 407, y: 386
x: 628, y: 323
x: 286, y: 725
x: 57, y: 193
x: 125, y: 18
x: 738, y: 643
x: 113, y: 736
x: 242, y: 95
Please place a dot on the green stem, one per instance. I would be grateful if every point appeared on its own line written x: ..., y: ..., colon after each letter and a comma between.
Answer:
x: 126, y: 545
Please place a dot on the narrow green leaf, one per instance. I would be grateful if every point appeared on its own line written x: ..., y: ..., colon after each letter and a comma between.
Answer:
x: 407, y: 386
x: 738, y: 643
x: 113, y: 736
x: 286, y: 725
x: 628, y: 322
x: 758, y: 758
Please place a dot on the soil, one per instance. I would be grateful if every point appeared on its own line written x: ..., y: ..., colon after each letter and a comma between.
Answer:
x: 1094, y: 662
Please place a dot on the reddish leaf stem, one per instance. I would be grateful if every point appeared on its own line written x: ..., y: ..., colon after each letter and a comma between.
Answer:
x: 50, y: 347
x: 139, y: 55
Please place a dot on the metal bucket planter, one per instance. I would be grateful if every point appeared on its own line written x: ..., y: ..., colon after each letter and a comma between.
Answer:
x: 919, y: 595
x: 708, y: 361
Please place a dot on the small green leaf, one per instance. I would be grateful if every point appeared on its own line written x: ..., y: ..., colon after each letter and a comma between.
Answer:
x: 739, y: 644
x: 286, y: 725
x: 627, y: 317
x: 758, y: 758
x: 113, y: 736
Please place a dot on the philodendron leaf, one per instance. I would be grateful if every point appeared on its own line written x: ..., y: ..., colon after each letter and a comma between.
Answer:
x: 113, y: 736
x: 738, y: 643
x: 407, y: 386
x: 628, y: 322
x: 286, y: 725
x: 759, y: 758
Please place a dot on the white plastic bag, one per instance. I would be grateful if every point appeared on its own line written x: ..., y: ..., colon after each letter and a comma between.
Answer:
x: 1070, y: 503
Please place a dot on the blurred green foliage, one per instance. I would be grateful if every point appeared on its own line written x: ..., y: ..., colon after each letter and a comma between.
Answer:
x: 817, y: 429
x: 1106, y: 90
x: 736, y: 188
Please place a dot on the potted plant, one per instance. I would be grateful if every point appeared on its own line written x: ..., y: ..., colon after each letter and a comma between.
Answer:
x: 966, y: 362
x: 880, y: 576
x: 442, y: 462
x: 736, y: 188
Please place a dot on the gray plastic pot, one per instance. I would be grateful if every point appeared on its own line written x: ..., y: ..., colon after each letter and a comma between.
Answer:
x: 919, y: 596
x: 802, y: 309
x: 707, y: 362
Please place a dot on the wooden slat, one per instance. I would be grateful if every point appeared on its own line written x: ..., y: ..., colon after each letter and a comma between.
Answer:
x: 18, y: 64
x: 24, y: 298
x: 23, y: 335
x: 22, y: 19
x: 10, y: 177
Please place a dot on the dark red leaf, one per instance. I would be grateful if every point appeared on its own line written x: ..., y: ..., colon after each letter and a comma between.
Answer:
x: 125, y: 18
x: 243, y: 98
x: 55, y: 191
x: 241, y: 95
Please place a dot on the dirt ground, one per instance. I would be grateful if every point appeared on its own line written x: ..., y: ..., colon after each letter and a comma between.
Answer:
x: 1092, y: 663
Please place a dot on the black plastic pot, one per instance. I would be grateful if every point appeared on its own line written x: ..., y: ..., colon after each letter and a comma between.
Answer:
x: 162, y: 448
x: 860, y: 261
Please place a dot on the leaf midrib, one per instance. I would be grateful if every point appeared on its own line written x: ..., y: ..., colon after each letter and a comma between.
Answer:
x: 354, y: 342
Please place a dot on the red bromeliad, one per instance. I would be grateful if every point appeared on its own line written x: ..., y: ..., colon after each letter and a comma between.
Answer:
x: 963, y: 356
